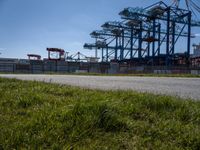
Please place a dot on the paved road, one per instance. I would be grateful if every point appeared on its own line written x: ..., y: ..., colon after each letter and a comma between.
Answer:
x: 182, y: 87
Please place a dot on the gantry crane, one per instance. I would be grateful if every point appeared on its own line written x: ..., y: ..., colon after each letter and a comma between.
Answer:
x: 146, y: 35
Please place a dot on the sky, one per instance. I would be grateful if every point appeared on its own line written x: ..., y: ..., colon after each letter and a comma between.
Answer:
x: 30, y: 26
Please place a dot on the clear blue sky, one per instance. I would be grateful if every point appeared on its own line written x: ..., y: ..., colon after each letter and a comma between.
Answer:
x: 30, y: 26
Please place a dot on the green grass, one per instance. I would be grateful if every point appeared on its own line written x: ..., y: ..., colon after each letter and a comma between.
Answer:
x: 184, y: 75
x: 140, y: 75
x: 36, y: 115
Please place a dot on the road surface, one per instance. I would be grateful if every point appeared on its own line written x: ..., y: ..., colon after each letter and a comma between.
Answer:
x: 181, y: 87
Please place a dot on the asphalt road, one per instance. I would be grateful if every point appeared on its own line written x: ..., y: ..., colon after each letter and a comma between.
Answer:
x: 182, y: 87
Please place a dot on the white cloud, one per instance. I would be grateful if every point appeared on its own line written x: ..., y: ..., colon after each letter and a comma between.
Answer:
x: 2, y: 49
x: 198, y: 34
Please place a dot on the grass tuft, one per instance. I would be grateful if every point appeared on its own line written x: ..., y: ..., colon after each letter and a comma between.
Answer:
x: 36, y: 115
x: 109, y: 120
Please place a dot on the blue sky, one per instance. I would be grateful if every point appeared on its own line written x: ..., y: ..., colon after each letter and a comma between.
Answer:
x: 30, y: 26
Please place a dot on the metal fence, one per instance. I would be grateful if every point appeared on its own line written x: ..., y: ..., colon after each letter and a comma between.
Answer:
x: 39, y: 67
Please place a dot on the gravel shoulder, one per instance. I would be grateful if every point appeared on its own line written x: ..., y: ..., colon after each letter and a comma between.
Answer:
x: 181, y: 87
